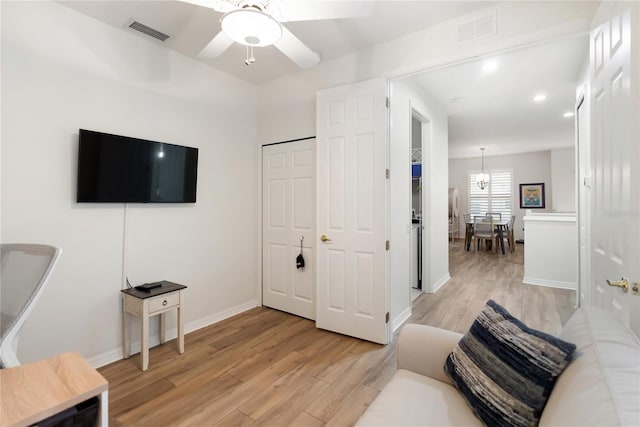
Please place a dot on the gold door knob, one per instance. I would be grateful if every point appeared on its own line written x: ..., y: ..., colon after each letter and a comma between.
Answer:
x: 622, y: 283
x: 325, y: 238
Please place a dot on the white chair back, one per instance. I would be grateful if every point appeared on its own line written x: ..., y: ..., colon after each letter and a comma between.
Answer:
x: 483, y: 226
x: 495, y: 215
x: 24, y: 270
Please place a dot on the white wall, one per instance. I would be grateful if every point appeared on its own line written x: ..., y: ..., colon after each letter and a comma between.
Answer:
x: 527, y: 168
x: 563, y: 179
x: 65, y: 71
x: 406, y: 98
x: 550, y: 253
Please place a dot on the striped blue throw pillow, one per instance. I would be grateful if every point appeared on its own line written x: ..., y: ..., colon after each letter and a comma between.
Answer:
x: 506, y: 370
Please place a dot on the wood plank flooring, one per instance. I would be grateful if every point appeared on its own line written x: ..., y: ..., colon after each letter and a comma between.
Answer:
x: 268, y: 368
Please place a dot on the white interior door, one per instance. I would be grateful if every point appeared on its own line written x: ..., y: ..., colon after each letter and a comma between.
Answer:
x: 615, y: 233
x: 584, y: 201
x: 288, y: 192
x: 352, y: 156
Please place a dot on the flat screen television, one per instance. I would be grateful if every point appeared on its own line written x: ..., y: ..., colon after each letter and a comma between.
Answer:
x: 113, y: 168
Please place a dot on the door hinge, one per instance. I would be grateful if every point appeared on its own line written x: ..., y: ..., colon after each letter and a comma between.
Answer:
x: 387, y: 102
x: 386, y: 318
x: 387, y: 173
x: 387, y: 244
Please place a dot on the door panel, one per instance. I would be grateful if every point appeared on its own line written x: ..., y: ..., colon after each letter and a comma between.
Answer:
x: 584, y: 197
x: 352, y: 210
x: 289, y: 215
x: 614, y: 159
x: 276, y: 269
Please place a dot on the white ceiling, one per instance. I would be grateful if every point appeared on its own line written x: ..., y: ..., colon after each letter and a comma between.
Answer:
x: 192, y: 27
x: 496, y: 110
x: 492, y: 110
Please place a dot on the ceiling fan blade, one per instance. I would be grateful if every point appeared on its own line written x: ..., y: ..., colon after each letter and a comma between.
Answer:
x: 308, y: 10
x: 218, y: 5
x: 297, y: 51
x: 216, y: 46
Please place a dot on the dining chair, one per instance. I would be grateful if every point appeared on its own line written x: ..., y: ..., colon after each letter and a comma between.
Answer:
x: 484, y: 229
x: 468, y: 229
x: 495, y: 215
x: 510, y: 234
x: 24, y: 271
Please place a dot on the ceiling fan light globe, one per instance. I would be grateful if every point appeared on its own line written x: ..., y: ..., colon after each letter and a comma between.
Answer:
x: 251, y: 27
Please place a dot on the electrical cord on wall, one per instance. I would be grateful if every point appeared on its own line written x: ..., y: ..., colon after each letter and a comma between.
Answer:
x: 124, y: 278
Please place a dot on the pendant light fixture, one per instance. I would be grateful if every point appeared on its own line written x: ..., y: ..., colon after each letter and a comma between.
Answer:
x: 482, y: 178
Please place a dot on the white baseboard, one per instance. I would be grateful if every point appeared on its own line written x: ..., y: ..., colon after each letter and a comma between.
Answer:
x: 549, y: 283
x: 116, y: 354
x: 400, y: 319
x: 106, y: 358
x: 215, y: 318
x: 440, y: 283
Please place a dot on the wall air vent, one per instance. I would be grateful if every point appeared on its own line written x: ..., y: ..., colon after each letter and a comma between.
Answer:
x: 148, y: 31
x: 477, y: 27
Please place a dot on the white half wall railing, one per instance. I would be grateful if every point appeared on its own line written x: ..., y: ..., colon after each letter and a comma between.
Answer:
x: 551, y: 250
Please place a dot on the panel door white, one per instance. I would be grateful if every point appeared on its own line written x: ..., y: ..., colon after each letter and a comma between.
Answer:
x: 584, y: 197
x: 352, y: 157
x: 615, y: 158
x: 288, y: 192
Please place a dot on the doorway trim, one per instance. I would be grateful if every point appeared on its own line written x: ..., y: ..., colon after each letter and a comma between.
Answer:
x: 426, y: 141
x: 583, y: 198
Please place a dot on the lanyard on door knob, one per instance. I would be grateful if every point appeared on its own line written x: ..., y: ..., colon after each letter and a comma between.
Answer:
x: 300, y: 258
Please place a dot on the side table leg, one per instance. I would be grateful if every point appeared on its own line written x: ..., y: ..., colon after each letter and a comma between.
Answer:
x: 163, y: 325
x: 103, y: 416
x: 126, y: 341
x: 180, y: 326
x: 144, y: 342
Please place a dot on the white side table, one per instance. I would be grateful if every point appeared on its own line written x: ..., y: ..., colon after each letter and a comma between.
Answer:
x: 147, y: 303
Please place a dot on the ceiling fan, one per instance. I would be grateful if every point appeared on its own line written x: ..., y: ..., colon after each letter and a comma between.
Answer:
x: 258, y: 23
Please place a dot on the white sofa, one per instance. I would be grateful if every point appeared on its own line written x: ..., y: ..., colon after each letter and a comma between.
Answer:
x: 600, y: 387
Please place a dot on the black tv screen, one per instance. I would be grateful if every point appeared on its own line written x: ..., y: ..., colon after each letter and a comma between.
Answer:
x: 113, y: 168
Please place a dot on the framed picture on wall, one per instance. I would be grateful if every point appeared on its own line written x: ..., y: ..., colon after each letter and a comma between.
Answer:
x: 532, y: 196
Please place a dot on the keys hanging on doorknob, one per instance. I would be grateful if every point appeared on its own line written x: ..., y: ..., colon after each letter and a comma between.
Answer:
x: 622, y: 283
x: 325, y: 238
x: 300, y: 258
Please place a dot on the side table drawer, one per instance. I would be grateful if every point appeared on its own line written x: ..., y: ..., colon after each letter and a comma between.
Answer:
x: 164, y: 302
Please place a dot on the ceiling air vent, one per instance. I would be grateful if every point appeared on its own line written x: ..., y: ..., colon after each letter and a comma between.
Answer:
x: 148, y: 31
x: 478, y: 27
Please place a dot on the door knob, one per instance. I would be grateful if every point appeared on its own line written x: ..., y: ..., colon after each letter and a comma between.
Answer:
x: 622, y: 283
x: 325, y: 238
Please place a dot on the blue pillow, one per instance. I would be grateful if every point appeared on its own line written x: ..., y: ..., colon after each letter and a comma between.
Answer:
x: 506, y: 370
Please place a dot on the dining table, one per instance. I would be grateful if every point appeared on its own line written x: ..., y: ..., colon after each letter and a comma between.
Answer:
x: 501, y: 227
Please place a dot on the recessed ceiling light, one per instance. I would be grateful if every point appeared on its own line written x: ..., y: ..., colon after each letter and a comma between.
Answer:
x: 539, y: 97
x: 489, y: 66
x: 568, y: 114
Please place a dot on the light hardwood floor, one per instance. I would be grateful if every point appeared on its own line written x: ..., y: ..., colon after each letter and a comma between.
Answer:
x: 265, y: 367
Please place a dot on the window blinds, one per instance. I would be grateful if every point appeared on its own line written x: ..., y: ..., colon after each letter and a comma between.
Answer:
x: 497, y: 197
